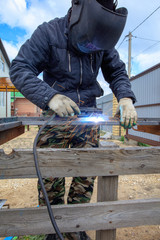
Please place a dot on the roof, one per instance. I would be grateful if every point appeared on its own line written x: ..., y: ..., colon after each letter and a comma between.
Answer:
x: 4, y: 53
x: 7, y: 85
x: 145, y: 72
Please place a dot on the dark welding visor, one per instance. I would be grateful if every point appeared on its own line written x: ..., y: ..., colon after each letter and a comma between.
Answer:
x: 94, y: 27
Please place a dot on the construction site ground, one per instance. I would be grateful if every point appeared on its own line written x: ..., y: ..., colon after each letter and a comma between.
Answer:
x: 22, y: 193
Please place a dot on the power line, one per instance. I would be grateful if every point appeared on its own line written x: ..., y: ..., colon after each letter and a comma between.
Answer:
x: 145, y: 19
x: 146, y: 39
x: 153, y: 45
x: 121, y: 42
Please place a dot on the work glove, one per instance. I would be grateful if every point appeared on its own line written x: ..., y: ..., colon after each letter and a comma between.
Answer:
x: 63, y: 106
x: 127, y: 113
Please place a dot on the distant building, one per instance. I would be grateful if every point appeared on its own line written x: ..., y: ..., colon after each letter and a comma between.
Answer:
x: 106, y: 104
x: 5, y: 97
x: 146, y: 87
x: 23, y: 107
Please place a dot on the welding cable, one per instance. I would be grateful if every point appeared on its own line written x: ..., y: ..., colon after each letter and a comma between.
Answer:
x: 41, y: 180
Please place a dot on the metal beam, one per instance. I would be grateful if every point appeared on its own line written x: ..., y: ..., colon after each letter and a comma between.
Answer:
x: 6, y: 126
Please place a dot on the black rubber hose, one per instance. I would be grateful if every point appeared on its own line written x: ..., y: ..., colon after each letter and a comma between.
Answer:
x: 41, y: 180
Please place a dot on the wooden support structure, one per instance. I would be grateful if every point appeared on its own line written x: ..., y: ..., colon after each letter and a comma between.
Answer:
x: 76, y: 162
x: 148, y: 129
x: 108, y: 213
x: 80, y: 217
x: 103, y: 216
x: 107, y: 191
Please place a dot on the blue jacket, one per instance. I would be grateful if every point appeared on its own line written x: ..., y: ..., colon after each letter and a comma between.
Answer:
x: 64, y: 71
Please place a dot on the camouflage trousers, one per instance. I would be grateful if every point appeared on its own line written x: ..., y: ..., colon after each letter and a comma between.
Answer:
x: 68, y: 136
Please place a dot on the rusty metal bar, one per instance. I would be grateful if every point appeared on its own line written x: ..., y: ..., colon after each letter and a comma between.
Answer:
x: 9, y: 134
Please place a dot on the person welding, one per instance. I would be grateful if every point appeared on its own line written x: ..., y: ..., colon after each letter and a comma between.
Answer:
x: 70, y: 51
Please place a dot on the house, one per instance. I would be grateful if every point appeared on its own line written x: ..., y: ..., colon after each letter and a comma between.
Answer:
x: 12, y: 102
x: 23, y: 107
x: 5, y: 97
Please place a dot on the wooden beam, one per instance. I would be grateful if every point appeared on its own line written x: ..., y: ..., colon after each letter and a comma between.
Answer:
x: 153, y: 129
x: 9, y: 134
x: 143, y: 140
x: 75, y: 162
x: 80, y: 217
x: 107, y: 191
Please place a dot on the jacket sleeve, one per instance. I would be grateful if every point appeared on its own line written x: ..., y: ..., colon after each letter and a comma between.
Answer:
x: 115, y: 74
x: 29, y: 63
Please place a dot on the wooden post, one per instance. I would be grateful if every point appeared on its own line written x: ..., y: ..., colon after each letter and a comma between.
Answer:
x: 6, y: 103
x: 107, y: 191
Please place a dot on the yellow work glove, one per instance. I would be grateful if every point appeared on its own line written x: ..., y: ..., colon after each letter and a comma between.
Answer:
x: 127, y: 113
x: 63, y: 106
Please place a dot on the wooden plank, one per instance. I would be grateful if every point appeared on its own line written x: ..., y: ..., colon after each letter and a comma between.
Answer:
x: 76, y: 162
x: 107, y: 191
x: 143, y: 140
x: 80, y: 217
x: 153, y: 129
x: 9, y: 134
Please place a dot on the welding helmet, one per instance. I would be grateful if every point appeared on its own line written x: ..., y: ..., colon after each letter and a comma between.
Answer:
x: 94, y: 27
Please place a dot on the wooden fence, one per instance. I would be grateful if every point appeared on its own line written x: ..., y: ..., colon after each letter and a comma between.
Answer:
x: 104, y: 216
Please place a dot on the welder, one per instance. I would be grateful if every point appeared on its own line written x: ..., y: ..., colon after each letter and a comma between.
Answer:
x: 70, y: 51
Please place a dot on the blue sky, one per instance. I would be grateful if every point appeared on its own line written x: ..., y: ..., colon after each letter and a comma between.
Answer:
x: 19, y: 18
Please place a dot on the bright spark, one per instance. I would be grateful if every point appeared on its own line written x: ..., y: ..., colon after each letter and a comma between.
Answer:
x: 95, y: 119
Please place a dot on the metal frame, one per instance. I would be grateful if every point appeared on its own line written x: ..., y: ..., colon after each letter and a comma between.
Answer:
x: 12, y: 127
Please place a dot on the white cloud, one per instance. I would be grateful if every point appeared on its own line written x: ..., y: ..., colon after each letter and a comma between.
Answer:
x: 150, y: 29
x: 147, y: 60
x: 16, y: 14
x: 11, y: 49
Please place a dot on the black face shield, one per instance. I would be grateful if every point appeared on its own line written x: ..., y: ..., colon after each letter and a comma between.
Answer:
x: 94, y: 27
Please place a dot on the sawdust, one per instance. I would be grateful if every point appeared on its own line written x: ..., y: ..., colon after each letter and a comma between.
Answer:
x: 22, y: 193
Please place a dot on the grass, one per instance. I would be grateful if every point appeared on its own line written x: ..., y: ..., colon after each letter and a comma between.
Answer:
x: 29, y: 237
x: 122, y: 139
x: 142, y: 144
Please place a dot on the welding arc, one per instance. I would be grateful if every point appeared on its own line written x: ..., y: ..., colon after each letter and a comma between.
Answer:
x: 41, y: 180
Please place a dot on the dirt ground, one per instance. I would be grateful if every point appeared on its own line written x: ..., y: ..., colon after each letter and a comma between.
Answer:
x: 21, y: 193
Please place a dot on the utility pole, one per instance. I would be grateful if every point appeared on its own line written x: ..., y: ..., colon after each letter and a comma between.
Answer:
x: 129, y: 53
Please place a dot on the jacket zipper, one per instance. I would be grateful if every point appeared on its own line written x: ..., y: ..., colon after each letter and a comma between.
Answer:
x: 81, y: 73
x: 91, y: 58
x: 69, y: 60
